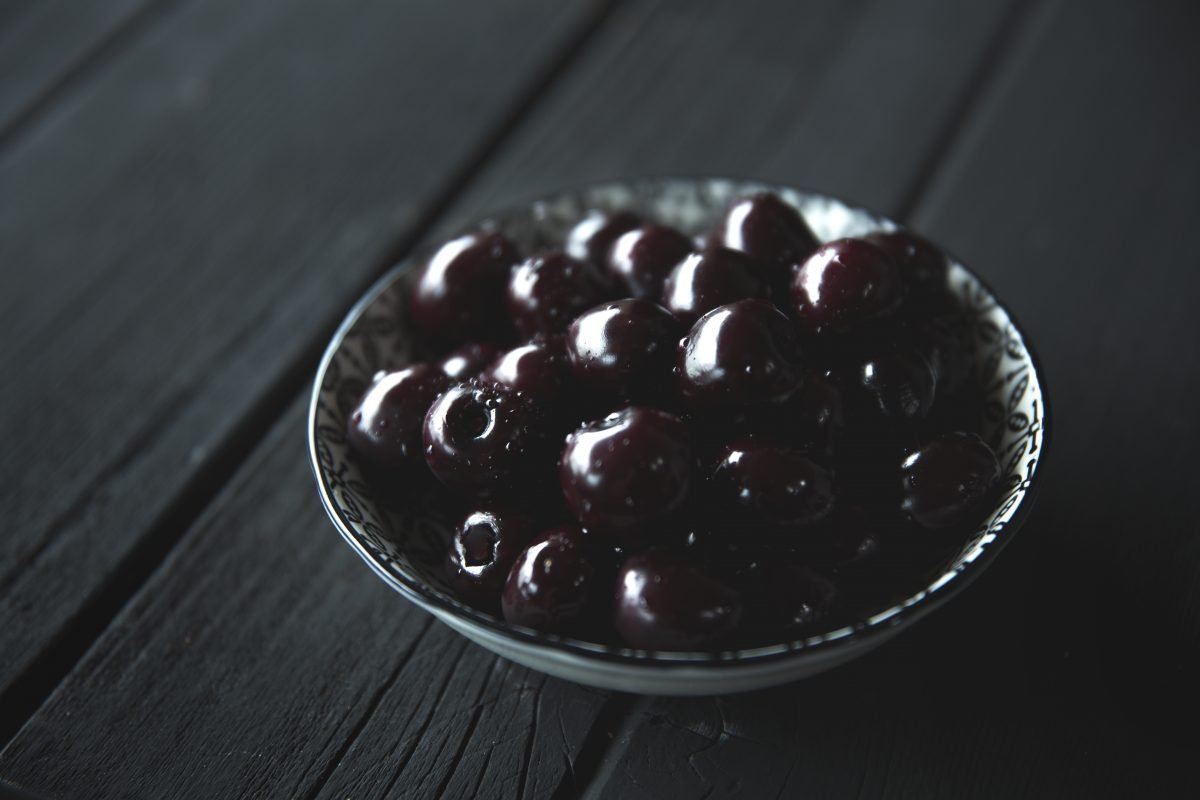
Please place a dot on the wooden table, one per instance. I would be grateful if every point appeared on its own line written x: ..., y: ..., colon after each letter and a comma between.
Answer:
x: 193, y: 193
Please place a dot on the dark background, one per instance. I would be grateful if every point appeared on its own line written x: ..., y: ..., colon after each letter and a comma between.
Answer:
x: 193, y: 193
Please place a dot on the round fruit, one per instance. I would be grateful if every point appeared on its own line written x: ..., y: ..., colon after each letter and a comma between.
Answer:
x: 899, y: 382
x: 385, y: 426
x: 624, y: 349
x: 949, y: 481
x: 758, y: 481
x: 665, y: 603
x: 537, y: 369
x: 843, y: 284
x: 548, y: 586
x: 782, y: 599
x: 922, y: 266
x: 593, y: 236
x: 546, y: 292
x: 714, y: 277
x: 771, y: 231
x: 641, y: 259
x: 481, y: 438
x: 630, y: 468
x: 739, y: 355
x: 482, y: 551
x: 458, y: 293
x: 469, y: 360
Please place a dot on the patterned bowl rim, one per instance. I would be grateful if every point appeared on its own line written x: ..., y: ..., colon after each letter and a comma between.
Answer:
x: 941, y: 589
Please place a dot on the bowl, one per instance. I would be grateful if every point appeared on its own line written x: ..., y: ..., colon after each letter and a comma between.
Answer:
x: 404, y: 542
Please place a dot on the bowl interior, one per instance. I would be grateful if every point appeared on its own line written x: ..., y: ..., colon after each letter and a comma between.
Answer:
x: 405, y: 541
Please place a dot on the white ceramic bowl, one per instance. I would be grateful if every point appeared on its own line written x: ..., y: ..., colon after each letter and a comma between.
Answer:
x: 405, y: 545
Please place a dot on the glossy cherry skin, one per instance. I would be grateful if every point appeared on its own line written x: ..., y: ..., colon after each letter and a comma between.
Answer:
x: 385, y: 426
x: 771, y: 231
x: 546, y: 292
x: 857, y: 535
x: 459, y: 293
x: 757, y: 481
x: 898, y: 383
x: 714, y: 277
x: 641, y: 259
x: 741, y: 355
x: 843, y: 284
x: 627, y: 469
x: 482, y: 551
x: 624, y: 349
x: 537, y: 369
x: 946, y: 339
x: 949, y: 481
x: 469, y: 360
x: 593, y: 236
x: 548, y: 586
x: 665, y: 603
x: 782, y: 599
x: 482, y: 439
x: 923, y: 267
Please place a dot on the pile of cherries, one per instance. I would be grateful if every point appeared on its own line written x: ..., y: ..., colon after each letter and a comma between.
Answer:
x: 688, y: 445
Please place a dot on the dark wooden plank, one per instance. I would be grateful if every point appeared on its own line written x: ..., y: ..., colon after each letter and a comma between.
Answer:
x: 1069, y: 669
x: 844, y: 98
x: 1073, y: 194
x: 375, y: 751
x: 263, y: 685
x: 44, y: 44
x: 178, y: 237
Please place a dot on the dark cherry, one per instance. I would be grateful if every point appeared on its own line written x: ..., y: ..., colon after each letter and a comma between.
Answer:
x: 946, y: 338
x: 857, y: 535
x: 757, y: 481
x: 546, y: 292
x: 949, y: 481
x: 548, y: 586
x: 898, y: 382
x: 665, y: 603
x: 624, y: 349
x: 843, y: 284
x: 814, y: 414
x: 714, y: 277
x: 626, y: 470
x: 482, y: 551
x: 771, y: 231
x: 641, y: 259
x: 781, y: 598
x: 385, y: 426
x: 740, y: 355
x: 808, y: 421
x: 537, y: 369
x: 593, y: 236
x: 922, y: 266
x: 459, y: 293
x: 469, y: 360
x: 482, y: 439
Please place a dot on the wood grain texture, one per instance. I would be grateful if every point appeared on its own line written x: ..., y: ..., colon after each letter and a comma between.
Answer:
x: 1073, y: 193
x: 1009, y: 691
x: 178, y: 237
x: 263, y: 659
x: 379, y: 755
x: 45, y: 44
x: 844, y: 98
x: 1069, y: 669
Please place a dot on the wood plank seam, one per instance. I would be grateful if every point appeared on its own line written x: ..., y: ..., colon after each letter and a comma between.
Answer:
x: 31, y: 690
x: 366, y: 716
x: 1013, y: 29
x: 78, y: 74
x: 1039, y: 18
x: 1019, y: 26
